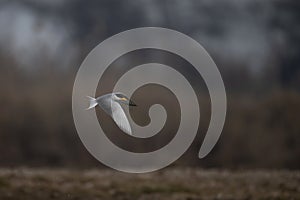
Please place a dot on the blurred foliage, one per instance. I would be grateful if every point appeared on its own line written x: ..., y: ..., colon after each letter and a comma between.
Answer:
x: 36, y: 125
x: 262, y: 128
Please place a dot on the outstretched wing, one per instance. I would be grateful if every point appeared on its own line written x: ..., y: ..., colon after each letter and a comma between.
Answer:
x: 120, y: 117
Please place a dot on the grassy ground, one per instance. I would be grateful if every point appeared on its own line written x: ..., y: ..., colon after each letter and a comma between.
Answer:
x: 42, y: 184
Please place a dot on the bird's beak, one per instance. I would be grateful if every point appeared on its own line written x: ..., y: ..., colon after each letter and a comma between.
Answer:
x: 131, y: 103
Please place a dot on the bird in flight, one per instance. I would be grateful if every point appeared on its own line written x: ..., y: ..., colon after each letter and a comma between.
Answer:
x: 111, y: 104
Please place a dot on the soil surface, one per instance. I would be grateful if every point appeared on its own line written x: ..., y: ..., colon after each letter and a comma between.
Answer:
x: 188, y: 184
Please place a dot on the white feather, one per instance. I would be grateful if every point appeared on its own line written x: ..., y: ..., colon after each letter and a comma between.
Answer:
x: 120, y: 118
x: 93, y: 102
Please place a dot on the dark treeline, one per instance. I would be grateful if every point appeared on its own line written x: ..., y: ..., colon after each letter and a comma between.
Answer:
x: 262, y: 128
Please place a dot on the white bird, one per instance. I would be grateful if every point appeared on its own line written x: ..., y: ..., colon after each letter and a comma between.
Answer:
x: 111, y: 104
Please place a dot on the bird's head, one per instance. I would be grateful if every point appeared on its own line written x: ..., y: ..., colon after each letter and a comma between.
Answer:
x: 121, y: 98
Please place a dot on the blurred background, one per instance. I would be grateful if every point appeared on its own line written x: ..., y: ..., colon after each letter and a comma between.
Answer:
x: 255, y: 44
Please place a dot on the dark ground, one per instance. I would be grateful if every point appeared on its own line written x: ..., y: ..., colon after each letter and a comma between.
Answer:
x: 25, y: 184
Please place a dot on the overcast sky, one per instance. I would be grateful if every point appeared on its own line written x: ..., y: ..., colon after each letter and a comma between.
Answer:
x: 231, y: 31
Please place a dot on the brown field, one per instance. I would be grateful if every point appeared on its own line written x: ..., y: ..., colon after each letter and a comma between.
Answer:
x: 44, y: 184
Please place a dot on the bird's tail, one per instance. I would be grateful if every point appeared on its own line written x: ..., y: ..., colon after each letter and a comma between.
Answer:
x: 93, y: 102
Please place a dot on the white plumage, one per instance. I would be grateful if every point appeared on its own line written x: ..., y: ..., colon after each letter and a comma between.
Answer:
x: 120, y: 118
x: 111, y: 104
